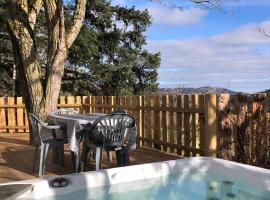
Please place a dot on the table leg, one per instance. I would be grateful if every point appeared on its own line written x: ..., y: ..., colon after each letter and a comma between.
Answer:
x: 55, y: 157
x: 120, y: 158
x: 75, y: 161
x: 126, y: 155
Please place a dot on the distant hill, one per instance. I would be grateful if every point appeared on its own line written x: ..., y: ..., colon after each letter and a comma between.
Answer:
x: 201, y: 90
x: 267, y: 91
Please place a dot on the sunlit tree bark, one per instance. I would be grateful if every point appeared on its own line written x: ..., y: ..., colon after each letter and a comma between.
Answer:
x: 40, y: 87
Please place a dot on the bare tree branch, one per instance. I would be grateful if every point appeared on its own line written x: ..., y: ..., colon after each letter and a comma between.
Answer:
x: 262, y: 31
x: 76, y: 24
x: 211, y: 3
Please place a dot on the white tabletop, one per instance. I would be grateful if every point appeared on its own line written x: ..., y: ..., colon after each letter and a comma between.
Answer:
x: 74, y: 124
x: 81, y: 118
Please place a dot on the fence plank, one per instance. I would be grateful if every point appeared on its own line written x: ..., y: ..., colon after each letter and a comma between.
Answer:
x: 171, y: 124
x: 62, y: 101
x: 128, y: 103
x: 187, y: 135
x: 109, y: 103
x: 91, y: 103
x: 164, y: 122
x: 26, y: 121
x: 149, y: 122
x: 202, y: 124
x: 194, y: 123
x: 179, y: 123
x: 3, y: 122
x: 176, y: 146
x: 142, y: 117
x: 138, y: 122
x: 122, y: 102
x: 113, y: 103
x: 20, y: 114
x: 102, y: 109
x: 211, y: 125
x: 96, y: 104
x: 11, y: 114
x: 133, y: 104
x: 106, y: 106
x: 79, y: 102
x: 136, y: 114
x: 157, y: 122
x: 85, y: 104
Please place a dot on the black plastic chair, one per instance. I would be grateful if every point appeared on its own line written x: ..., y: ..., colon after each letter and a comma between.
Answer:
x: 107, y: 133
x: 44, y: 138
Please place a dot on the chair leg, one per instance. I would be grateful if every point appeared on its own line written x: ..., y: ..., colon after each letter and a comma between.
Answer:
x: 98, y: 157
x: 42, y: 147
x: 120, y: 157
x: 43, y: 155
x: 94, y: 154
x: 77, y: 161
x: 109, y: 155
x: 35, y: 158
x: 85, y: 152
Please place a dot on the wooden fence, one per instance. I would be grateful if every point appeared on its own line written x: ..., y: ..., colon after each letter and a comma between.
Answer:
x: 188, y: 125
x: 173, y: 124
x: 235, y: 127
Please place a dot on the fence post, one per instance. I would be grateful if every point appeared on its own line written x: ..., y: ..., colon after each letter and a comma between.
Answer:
x: 211, y: 128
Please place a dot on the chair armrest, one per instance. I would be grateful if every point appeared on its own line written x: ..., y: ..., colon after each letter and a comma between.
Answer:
x: 52, y: 127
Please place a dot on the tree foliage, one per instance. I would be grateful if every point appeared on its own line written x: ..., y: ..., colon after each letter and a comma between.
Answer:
x: 6, y: 65
x: 108, y: 56
x: 40, y: 68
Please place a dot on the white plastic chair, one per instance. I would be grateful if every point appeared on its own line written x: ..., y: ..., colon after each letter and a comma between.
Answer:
x: 44, y: 138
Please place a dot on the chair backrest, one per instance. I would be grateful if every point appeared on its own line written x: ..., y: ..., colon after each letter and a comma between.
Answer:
x: 64, y: 111
x: 119, y: 111
x: 113, y: 128
x: 35, y: 124
x: 39, y: 129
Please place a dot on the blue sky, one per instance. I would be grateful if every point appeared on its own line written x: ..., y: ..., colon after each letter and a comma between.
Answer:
x: 206, y: 47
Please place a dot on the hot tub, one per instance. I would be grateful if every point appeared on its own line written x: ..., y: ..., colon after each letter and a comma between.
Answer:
x: 192, y: 178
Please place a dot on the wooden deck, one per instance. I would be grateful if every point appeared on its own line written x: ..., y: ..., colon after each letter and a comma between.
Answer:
x: 16, y: 159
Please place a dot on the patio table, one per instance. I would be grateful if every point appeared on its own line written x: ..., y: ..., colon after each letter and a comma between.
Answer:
x: 73, y: 124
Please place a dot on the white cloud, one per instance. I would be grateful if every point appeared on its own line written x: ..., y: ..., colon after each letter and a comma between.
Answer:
x: 238, y: 59
x: 176, y: 17
x: 118, y: 2
x: 247, y: 34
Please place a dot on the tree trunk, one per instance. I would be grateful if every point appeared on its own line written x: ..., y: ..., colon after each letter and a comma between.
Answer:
x: 41, y: 92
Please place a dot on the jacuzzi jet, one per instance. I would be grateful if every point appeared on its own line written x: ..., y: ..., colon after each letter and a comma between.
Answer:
x: 231, y: 195
x: 59, y: 182
x: 227, y: 182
